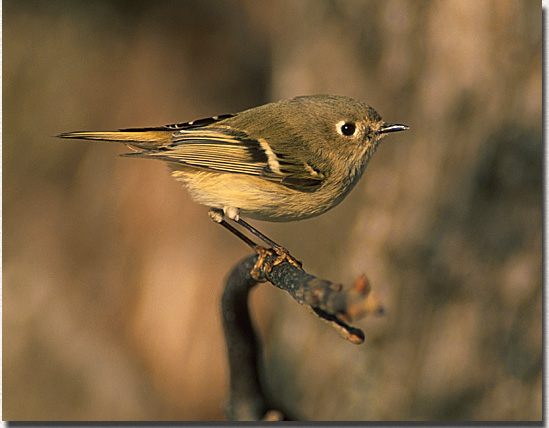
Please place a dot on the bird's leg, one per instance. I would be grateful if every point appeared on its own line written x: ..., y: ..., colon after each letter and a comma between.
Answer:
x: 217, y: 217
x: 282, y: 253
x: 262, y: 253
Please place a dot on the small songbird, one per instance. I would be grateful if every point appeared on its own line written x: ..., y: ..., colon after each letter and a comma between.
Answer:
x: 283, y: 161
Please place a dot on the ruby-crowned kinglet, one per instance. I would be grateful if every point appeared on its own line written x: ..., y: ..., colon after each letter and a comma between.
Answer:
x: 289, y: 160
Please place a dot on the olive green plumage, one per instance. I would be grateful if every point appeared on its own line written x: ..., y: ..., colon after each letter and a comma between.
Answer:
x: 282, y: 161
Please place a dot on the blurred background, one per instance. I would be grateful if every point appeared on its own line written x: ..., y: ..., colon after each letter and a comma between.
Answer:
x: 112, y: 276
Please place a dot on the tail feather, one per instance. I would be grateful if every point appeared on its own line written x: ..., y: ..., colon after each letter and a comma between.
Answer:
x: 147, y: 140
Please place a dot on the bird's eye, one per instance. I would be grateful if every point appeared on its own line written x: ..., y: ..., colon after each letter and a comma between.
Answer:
x: 348, y: 129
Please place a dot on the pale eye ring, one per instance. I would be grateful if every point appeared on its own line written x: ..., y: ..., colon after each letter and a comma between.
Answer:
x: 346, y: 129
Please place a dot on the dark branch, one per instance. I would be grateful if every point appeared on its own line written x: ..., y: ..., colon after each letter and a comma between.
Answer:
x: 332, y: 302
x: 247, y: 401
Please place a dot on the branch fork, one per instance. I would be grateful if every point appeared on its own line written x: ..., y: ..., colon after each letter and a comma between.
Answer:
x: 334, y: 303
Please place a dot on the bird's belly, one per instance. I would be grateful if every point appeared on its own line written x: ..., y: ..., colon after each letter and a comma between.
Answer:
x: 255, y: 197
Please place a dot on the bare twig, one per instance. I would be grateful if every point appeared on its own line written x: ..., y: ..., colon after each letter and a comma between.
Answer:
x: 247, y: 401
x: 332, y: 302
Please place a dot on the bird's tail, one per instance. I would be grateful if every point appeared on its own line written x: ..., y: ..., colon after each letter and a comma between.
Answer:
x: 144, y: 139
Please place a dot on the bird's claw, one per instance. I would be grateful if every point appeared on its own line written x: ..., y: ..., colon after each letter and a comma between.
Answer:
x: 283, y: 255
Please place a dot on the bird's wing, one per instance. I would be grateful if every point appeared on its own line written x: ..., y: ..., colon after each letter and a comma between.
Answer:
x: 184, y: 125
x: 225, y: 149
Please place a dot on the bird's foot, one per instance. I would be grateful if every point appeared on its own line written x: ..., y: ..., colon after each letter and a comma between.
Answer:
x: 283, y: 255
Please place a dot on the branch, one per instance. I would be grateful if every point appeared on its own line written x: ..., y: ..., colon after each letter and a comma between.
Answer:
x: 332, y: 302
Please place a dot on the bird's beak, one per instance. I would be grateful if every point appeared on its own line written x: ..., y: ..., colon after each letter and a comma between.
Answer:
x: 392, y: 127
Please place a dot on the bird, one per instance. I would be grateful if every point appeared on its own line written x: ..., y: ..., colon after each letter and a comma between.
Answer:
x: 283, y: 161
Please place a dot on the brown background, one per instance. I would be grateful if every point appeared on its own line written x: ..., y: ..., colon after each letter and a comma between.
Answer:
x: 112, y: 276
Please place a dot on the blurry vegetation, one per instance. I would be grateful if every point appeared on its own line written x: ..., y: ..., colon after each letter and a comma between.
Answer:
x: 110, y: 292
